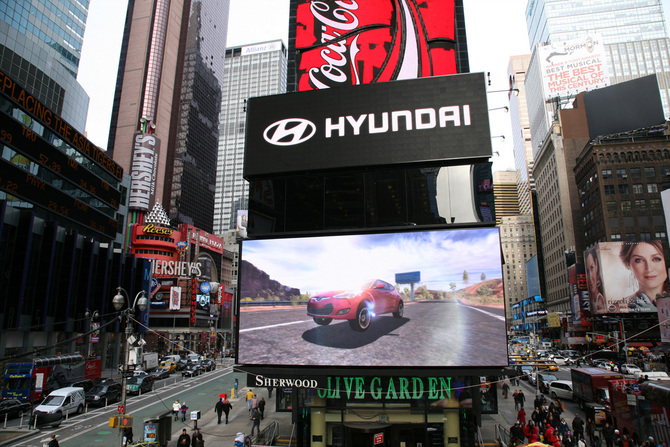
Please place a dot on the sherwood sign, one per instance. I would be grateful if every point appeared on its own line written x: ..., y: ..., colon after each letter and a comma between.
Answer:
x: 373, y: 387
x: 420, y: 121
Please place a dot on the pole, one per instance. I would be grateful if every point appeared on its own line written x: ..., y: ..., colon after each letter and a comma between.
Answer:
x: 625, y: 345
x: 124, y: 372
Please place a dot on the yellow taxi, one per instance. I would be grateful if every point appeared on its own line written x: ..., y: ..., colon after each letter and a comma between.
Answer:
x: 170, y: 366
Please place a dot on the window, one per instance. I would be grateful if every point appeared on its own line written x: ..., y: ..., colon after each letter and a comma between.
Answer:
x: 616, y: 236
x: 623, y: 189
x: 665, y: 172
x: 625, y: 205
x: 652, y: 187
x: 645, y: 236
x: 641, y: 204
x: 649, y: 172
x: 660, y: 235
x: 635, y: 172
x: 609, y: 189
x: 630, y: 236
x: 607, y: 173
x: 621, y: 173
x: 655, y: 203
x: 638, y: 188
x: 611, y: 206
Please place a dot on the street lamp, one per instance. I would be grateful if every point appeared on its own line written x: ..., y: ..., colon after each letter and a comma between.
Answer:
x: 119, y: 301
x: 91, y: 316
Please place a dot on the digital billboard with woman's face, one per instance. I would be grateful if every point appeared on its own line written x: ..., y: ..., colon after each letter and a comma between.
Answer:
x: 626, y: 277
x: 346, y: 300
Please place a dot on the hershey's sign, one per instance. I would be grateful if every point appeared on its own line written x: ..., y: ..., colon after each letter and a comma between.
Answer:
x: 143, y: 172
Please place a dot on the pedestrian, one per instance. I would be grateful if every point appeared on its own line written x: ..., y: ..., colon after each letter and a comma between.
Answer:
x: 248, y: 397
x: 521, y: 416
x: 505, y: 389
x: 608, y: 435
x: 516, y: 433
x: 176, y: 407
x: 590, y: 430
x: 578, y: 427
x: 261, y: 407
x: 270, y: 388
x: 254, y: 403
x: 227, y: 406
x: 127, y: 435
x: 515, y: 396
x: 568, y: 440
x: 198, y: 440
x: 53, y: 442
x: 218, y: 409
x: 531, y: 432
x: 255, y: 422
x: 184, y: 439
x: 239, y: 439
x: 563, y: 428
x: 184, y: 409
x: 522, y: 399
x: 617, y: 438
x: 581, y: 442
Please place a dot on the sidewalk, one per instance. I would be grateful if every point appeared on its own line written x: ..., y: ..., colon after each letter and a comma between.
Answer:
x: 238, y: 421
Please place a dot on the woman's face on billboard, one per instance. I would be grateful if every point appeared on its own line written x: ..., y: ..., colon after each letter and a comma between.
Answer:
x: 648, y: 266
x: 592, y: 273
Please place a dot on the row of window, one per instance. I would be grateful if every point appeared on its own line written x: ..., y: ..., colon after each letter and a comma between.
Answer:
x: 638, y: 188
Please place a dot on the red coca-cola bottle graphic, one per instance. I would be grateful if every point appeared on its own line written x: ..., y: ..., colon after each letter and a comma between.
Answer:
x: 350, y: 42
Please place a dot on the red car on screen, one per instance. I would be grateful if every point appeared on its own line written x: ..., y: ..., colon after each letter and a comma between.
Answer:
x: 375, y: 297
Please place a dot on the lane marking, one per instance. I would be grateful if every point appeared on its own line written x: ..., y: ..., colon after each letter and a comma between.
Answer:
x: 274, y: 325
x: 499, y: 317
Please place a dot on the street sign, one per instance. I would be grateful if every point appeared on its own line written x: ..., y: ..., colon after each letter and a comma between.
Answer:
x: 636, y: 388
x: 121, y: 409
x: 379, y: 438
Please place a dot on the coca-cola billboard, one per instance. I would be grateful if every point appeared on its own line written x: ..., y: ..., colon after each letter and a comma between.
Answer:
x: 423, y: 121
x: 351, y: 42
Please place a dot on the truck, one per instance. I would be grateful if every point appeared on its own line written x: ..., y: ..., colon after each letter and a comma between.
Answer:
x: 591, y: 386
x: 31, y: 379
x: 641, y: 409
x: 149, y: 360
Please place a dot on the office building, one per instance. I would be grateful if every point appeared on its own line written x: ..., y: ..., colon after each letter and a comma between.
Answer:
x: 169, y: 86
x: 523, y: 150
x: 251, y: 70
x: 626, y: 40
x: 517, y: 242
x: 505, y: 195
x: 40, y: 48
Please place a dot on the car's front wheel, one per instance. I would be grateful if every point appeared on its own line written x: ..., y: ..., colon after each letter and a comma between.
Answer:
x: 401, y: 309
x: 362, y: 320
x: 322, y: 321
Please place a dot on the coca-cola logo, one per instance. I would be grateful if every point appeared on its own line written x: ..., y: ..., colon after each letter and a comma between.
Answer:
x: 350, y: 42
x: 289, y: 132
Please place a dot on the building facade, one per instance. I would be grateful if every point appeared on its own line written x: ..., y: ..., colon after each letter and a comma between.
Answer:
x: 40, y: 48
x: 251, y: 70
x: 169, y: 86
x: 505, y: 194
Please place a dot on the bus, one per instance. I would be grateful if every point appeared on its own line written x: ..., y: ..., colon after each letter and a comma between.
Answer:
x: 31, y: 379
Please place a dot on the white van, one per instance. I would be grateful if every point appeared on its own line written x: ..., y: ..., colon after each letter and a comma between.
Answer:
x: 652, y: 375
x: 58, y: 404
x: 171, y: 358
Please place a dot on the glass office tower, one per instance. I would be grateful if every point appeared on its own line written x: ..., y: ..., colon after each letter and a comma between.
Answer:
x: 40, y: 48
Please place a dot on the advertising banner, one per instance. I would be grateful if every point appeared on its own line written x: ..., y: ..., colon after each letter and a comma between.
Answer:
x: 626, y: 277
x: 175, y: 298
x: 416, y: 121
x: 579, y: 304
x: 143, y: 172
x: 572, y: 67
x: 340, y: 43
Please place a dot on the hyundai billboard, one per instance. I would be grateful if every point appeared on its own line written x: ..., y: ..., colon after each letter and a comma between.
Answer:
x: 417, y: 121
x: 333, y: 300
x: 340, y: 43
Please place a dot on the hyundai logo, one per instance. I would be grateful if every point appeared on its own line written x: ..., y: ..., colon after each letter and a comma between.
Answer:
x: 289, y: 132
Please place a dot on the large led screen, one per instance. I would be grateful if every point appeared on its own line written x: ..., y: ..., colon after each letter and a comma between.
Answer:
x: 360, y: 42
x: 332, y: 300
x: 626, y: 277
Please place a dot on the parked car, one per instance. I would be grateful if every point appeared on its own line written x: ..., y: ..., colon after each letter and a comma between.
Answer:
x: 161, y: 373
x: 140, y: 384
x: 208, y: 365
x: 181, y: 364
x: 561, y: 389
x: 544, y: 380
x: 104, y: 393
x: 192, y: 371
x: 358, y: 307
x: 169, y: 365
x: 58, y: 404
x: 628, y: 368
x: 13, y: 408
x: 524, y: 371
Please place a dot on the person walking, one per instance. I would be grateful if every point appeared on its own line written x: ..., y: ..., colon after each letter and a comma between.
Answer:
x: 608, y: 435
x: 261, y: 407
x: 522, y: 399
x: 255, y: 422
x: 590, y: 430
x: 578, y: 427
x: 127, y: 435
x: 254, y: 403
x: 227, y: 406
x: 248, y: 397
x: 184, y: 439
x: 198, y: 440
x: 505, y: 389
x: 53, y: 442
x: 184, y: 409
x: 176, y: 407
x: 218, y: 409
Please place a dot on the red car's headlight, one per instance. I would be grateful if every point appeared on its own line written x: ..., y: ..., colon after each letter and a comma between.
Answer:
x: 345, y: 295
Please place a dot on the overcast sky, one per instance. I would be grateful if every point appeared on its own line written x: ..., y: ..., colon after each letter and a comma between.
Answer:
x: 496, y: 30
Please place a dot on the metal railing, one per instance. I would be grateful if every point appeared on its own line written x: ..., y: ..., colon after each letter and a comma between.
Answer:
x: 502, y: 436
x: 267, y: 436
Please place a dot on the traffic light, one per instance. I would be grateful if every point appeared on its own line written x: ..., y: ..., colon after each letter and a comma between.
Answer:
x: 121, y: 421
